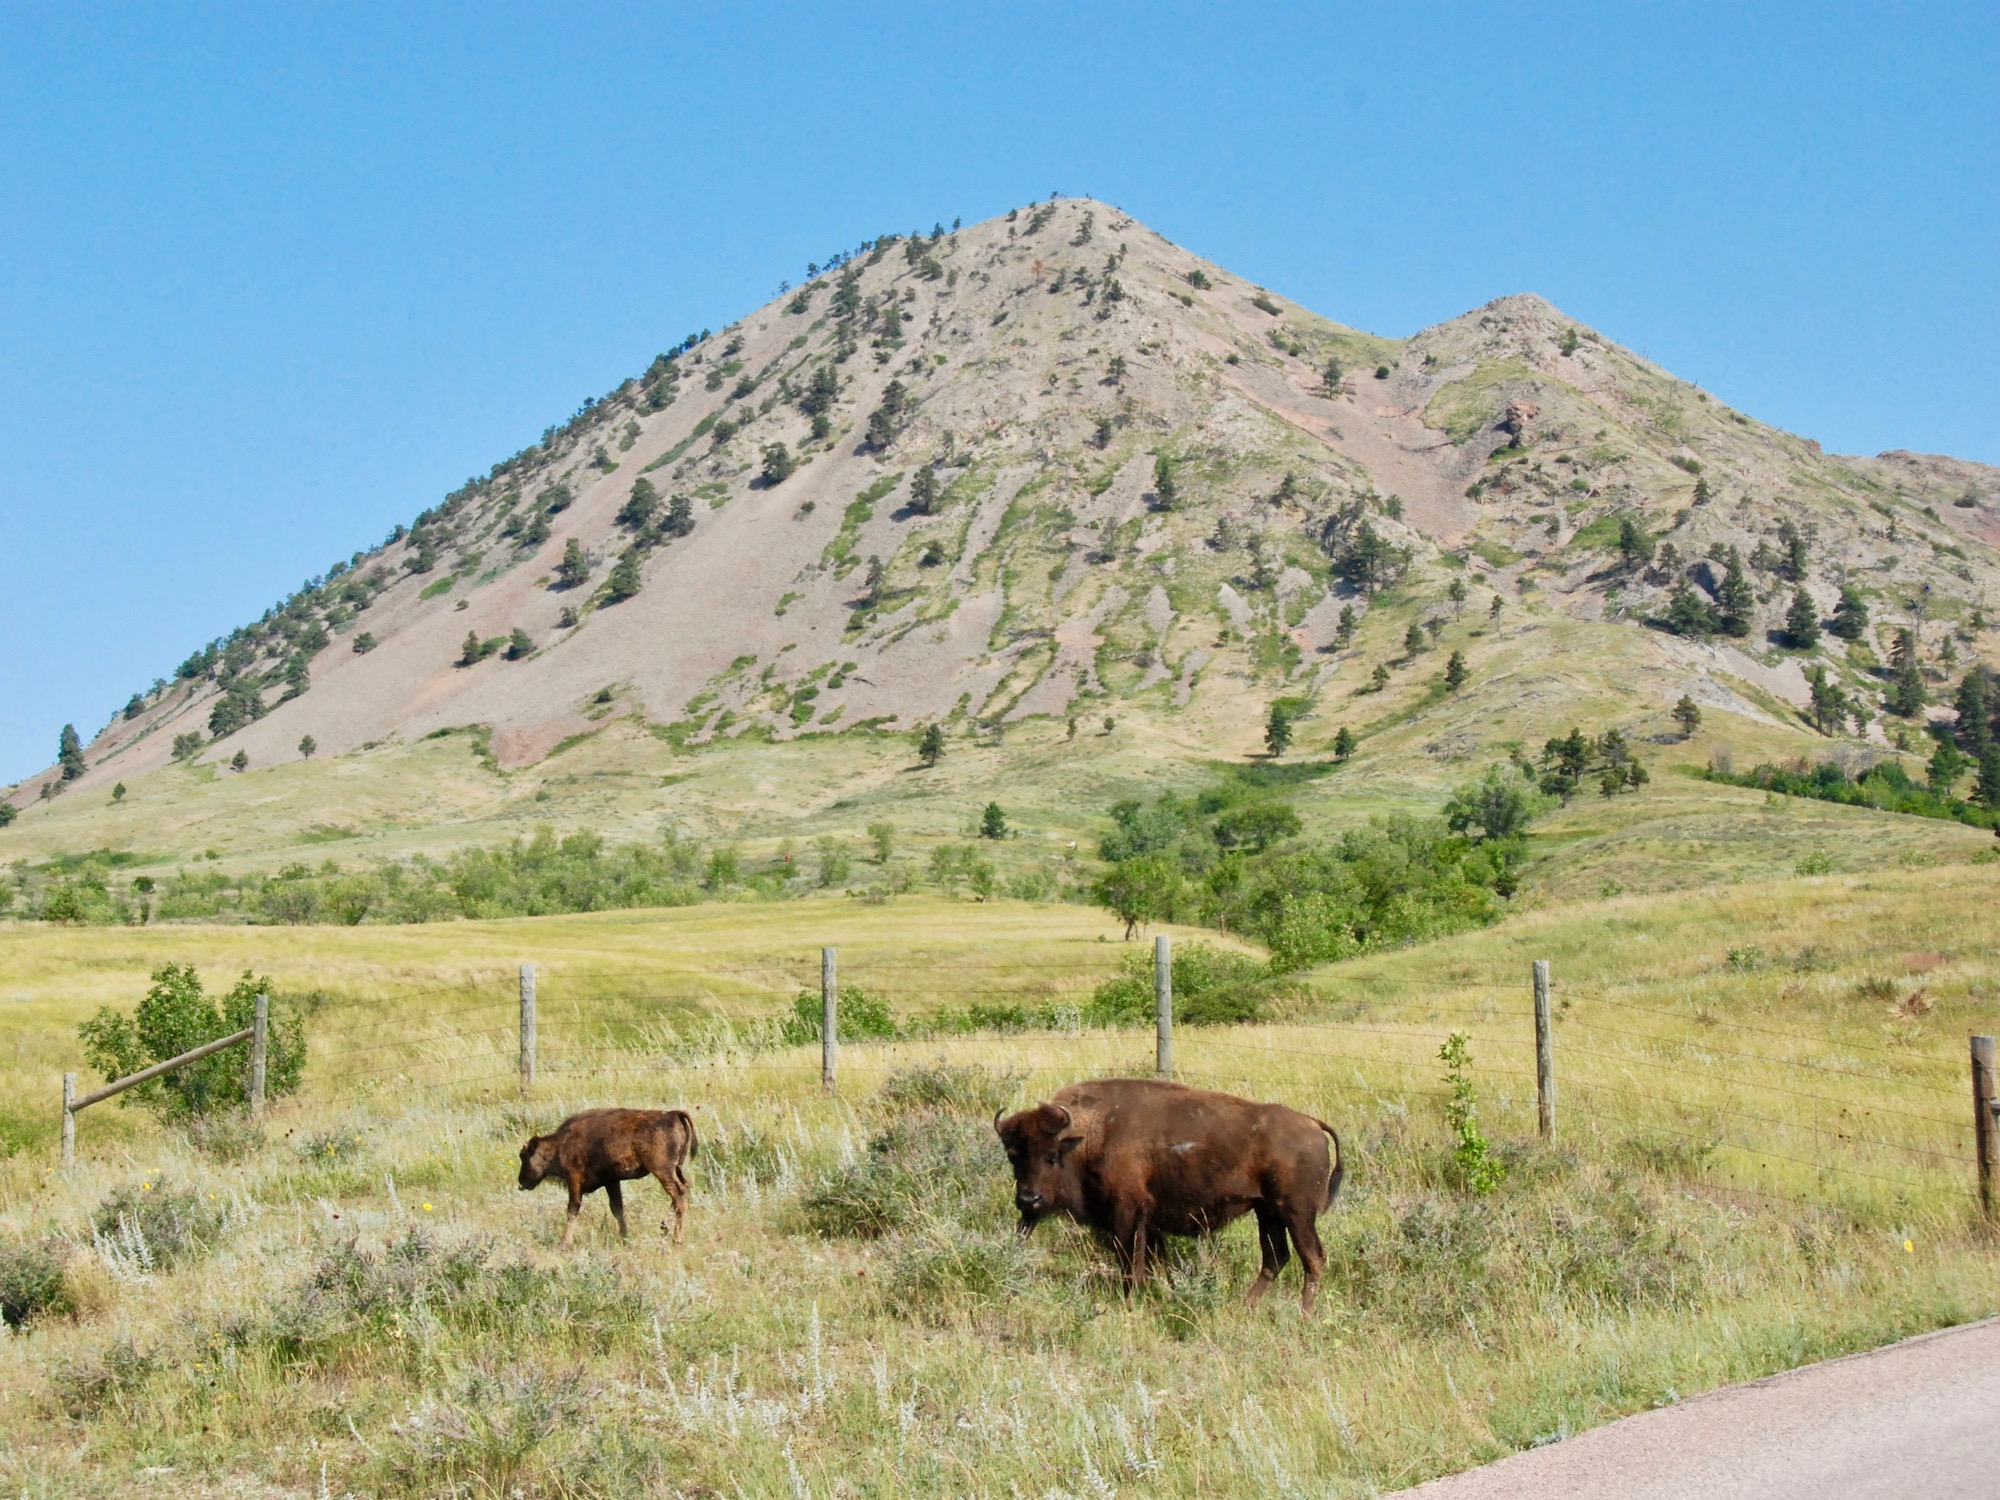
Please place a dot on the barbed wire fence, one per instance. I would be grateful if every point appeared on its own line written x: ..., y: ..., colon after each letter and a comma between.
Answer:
x: 1733, y: 1099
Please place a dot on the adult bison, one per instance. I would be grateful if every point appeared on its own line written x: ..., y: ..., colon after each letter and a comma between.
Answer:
x: 601, y: 1148
x: 1131, y: 1157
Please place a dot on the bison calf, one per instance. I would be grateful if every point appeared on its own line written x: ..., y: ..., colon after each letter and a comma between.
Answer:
x: 1130, y: 1157
x: 601, y: 1148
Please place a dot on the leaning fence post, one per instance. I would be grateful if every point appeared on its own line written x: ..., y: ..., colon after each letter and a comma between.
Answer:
x: 829, y: 1020
x: 1545, y: 1056
x: 69, y: 1120
x: 1163, y: 1006
x: 259, y: 1039
x: 1984, y: 1124
x: 527, y: 1027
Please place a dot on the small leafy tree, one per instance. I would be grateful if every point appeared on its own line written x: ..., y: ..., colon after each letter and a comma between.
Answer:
x: 1343, y: 743
x: 1500, y: 805
x: 1478, y: 1171
x: 930, y: 745
x: 240, y: 761
x: 1493, y: 610
x: 307, y: 745
x: 364, y: 643
x: 1145, y: 888
x: 176, y: 1017
x: 1278, y: 727
x: 1687, y: 714
x: 993, y: 822
x: 187, y: 746
x: 882, y: 836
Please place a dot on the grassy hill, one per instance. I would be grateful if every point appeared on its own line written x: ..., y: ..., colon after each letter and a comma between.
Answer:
x: 1762, y: 1158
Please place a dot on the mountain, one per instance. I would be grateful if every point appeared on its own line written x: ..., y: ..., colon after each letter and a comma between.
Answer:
x: 1053, y: 467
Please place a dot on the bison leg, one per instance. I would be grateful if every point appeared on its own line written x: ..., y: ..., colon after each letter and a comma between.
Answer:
x: 615, y: 1196
x: 675, y: 1182
x: 575, y: 1208
x: 1312, y: 1255
x: 1128, y: 1240
x: 1271, y: 1240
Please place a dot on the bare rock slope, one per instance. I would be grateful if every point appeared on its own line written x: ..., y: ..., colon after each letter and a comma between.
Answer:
x: 1041, y: 463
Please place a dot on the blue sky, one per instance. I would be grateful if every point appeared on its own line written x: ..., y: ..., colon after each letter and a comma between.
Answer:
x: 275, y: 278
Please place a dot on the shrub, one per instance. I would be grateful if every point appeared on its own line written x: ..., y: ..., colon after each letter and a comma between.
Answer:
x: 154, y: 1227
x: 940, y: 1268
x: 860, y: 1017
x: 84, y: 1386
x: 1212, y: 987
x: 926, y: 1164
x: 33, y: 1283
x: 175, y: 1017
x: 948, y: 1089
x: 1474, y: 1168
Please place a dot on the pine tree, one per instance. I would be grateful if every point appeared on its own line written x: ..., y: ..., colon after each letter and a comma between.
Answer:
x: 1739, y: 600
x: 640, y: 507
x: 519, y: 644
x: 1829, y: 703
x: 118, y: 792
x: 1947, y: 764
x: 1635, y: 548
x: 1688, y: 613
x: 680, y: 516
x: 1850, y: 615
x: 1379, y: 678
x: 69, y: 753
x: 574, y: 569
x: 1802, y: 621
x: 993, y: 822
x: 930, y: 745
x: 626, y: 578
x: 779, y: 465
x: 1974, y: 704
x: 1794, y: 562
x: 924, y: 492
x: 1343, y: 743
x: 1343, y: 632
x: 469, y: 653
x: 1413, y: 639
x: 306, y: 747
x: 1278, y: 728
x: 1906, y: 682
x: 240, y: 761
x: 1702, y: 493
x: 1493, y: 609
x: 1456, y: 593
x: 1687, y: 714
x: 1455, y: 673
x: 1166, y: 488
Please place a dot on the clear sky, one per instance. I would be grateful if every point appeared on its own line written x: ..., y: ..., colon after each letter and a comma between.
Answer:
x: 274, y: 278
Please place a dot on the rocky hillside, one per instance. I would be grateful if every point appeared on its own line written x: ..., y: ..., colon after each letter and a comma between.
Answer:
x: 1050, y: 464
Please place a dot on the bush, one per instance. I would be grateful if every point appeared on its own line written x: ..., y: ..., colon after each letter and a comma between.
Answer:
x: 940, y: 1086
x: 1212, y: 987
x: 176, y: 1017
x: 861, y: 1017
x: 942, y: 1268
x: 928, y: 1164
x: 33, y: 1283
x: 153, y: 1227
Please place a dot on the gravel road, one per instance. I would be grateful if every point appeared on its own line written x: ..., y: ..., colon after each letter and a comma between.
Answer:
x: 1917, y: 1418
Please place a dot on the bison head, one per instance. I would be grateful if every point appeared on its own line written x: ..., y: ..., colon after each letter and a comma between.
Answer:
x: 537, y: 1157
x: 1038, y: 1142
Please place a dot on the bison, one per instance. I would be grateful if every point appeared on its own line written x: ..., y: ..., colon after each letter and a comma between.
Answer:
x: 601, y: 1148
x: 1130, y: 1157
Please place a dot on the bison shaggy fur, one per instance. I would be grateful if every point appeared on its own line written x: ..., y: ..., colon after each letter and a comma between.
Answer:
x: 1133, y: 1157
x: 601, y: 1148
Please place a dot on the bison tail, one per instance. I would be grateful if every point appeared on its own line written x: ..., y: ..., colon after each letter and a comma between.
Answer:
x: 1339, y: 1163
x: 694, y: 1141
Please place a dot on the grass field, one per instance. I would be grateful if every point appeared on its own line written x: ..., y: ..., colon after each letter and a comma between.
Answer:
x: 1762, y: 1158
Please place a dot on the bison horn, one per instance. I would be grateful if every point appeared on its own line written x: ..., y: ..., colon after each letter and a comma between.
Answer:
x: 1068, y: 1119
x: 996, y: 1120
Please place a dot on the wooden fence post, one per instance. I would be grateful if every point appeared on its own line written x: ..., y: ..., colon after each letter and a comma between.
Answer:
x: 1545, y: 1056
x: 1985, y: 1126
x: 260, y: 1034
x: 69, y: 1121
x: 527, y: 1027
x: 1163, y: 1006
x: 829, y: 1019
